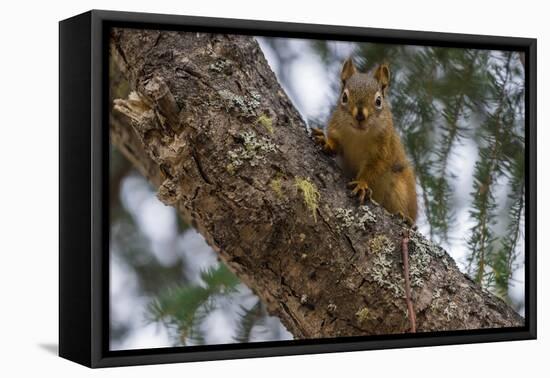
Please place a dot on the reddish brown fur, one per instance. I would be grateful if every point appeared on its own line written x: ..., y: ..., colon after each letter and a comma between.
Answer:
x: 371, y: 148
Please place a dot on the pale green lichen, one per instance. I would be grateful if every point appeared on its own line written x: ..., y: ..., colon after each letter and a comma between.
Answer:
x: 381, y: 244
x: 237, y: 158
x: 362, y: 315
x: 439, y: 252
x: 266, y: 122
x: 220, y: 66
x: 389, y: 276
x: 422, y: 244
x: 277, y: 187
x: 381, y: 269
x: 230, y: 168
x: 435, y: 299
x: 345, y: 216
x: 447, y: 262
x: 246, y: 105
x: 256, y: 96
x: 419, y: 262
x: 251, y: 143
x: 253, y: 150
x: 382, y: 249
x: 420, y: 257
x: 310, y: 193
x: 450, y: 311
x: 349, y: 219
x: 367, y: 217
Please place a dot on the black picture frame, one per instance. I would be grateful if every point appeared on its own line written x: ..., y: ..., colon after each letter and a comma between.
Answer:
x: 83, y: 194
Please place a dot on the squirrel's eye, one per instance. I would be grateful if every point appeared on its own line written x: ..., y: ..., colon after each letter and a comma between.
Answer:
x: 345, y: 98
x: 378, y: 102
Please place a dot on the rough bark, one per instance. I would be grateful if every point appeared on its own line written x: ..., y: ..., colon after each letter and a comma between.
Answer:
x: 211, y: 128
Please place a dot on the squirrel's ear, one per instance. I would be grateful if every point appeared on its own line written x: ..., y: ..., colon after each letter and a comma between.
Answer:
x: 348, y: 69
x: 382, y: 75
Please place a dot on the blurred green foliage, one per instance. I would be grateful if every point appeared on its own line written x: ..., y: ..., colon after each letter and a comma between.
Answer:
x: 184, y: 307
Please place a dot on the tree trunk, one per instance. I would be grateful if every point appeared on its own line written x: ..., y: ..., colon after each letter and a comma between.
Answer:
x: 211, y: 128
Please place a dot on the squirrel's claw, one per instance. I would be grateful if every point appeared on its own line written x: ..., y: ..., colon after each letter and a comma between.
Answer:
x: 362, y: 189
x: 317, y: 131
x: 320, y: 138
x: 406, y: 219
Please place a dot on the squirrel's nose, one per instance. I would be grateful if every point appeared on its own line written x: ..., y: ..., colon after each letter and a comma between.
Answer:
x: 360, y: 116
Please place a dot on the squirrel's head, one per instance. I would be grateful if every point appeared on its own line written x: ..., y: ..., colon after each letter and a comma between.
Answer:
x: 363, y: 95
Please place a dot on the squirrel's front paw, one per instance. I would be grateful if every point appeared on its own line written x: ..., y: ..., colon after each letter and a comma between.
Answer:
x: 361, y: 188
x: 320, y: 138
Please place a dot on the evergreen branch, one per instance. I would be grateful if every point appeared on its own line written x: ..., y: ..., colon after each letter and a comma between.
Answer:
x: 249, y: 318
x: 185, y: 307
x: 442, y: 216
x: 504, y: 260
x: 487, y: 170
x: 414, y: 117
x: 463, y: 69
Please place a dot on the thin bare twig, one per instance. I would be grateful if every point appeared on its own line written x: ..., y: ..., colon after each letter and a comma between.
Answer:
x: 410, y: 308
